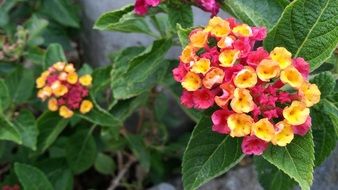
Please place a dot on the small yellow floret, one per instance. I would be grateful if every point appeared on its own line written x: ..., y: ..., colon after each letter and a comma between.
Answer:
x: 86, y: 80
x: 264, y: 129
x: 53, y: 104
x: 246, y: 78
x: 191, y: 81
x: 228, y: 58
x: 239, y: 124
x: 199, y: 38
x: 267, y: 70
x: 282, y: 56
x: 218, y: 27
x: 285, y: 134
x: 309, y: 93
x: 187, y: 54
x: 242, y: 101
x: 296, y: 113
x: 292, y: 77
x: 72, y: 78
x: 201, y: 66
x: 242, y: 30
x: 65, y: 112
x: 86, y: 106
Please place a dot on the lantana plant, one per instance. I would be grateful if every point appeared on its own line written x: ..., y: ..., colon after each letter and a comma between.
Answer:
x: 258, y: 85
x: 259, y: 82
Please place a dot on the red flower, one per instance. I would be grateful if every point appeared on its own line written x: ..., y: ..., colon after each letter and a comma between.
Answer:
x: 219, y: 120
x: 253, y: 145
x: 203, y: 98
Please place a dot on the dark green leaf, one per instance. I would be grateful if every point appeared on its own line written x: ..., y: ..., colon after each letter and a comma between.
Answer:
x: 208, y: 155
x: 20, y: 84
x: 5, y: 98
x: 32, y: 178
x: 137, y: 145
x: 53, y: 54
x: 124, y: 108
x: 180, y: 13
x: 8, y: 131
x: 325, y: 82
x: 296, y: 159
x: 271, y: 178
x: 81, y: 151
x: 100, y: 117
x: 101, y: 78
x: 62, y: 11
x: 331, y: 110
x: 257, y: 12
x: 183, y: 34
x: 324, y: 135
x: 50, y: 125
x: 104, y: 164
x: 35, y: 27
x: 123, y: 20
x: 27, y: 127
x: 144, y: 71
x: 57, y: 171
x: 308, y: 29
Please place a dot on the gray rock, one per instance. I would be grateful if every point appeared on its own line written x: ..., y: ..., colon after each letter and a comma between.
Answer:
x: 98, y: 45
x: 163, y: 186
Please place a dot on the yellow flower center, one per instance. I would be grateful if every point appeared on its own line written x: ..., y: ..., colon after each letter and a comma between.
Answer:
x: 191, y: 81
x: 239, y: 124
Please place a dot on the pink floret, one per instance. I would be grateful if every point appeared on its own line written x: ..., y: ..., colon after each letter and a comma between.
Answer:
x: 253, y: 145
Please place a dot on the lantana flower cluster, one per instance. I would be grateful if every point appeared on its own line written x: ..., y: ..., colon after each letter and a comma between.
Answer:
x: 64, y: 90
x: 261, y: 96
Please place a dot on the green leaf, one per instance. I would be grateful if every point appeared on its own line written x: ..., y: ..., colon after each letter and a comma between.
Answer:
x: 180, y: 13
x: 5, y: 98
x: 124, y: 108
x: 57, y: 171
x: 144, y: 71
x: 183, y: 34
x: 331, y: 110
x: 27, y: 127
x: 8, y: 131
x: 100, y: 117
x: 81, y: 151
x: 324, y: 135
x: 208, y: 155
x: 296, y: 159
x: 104, y: 164
x: 35, y: 27
x: 308, y: 29
x: 62, y: 11
x: 50, y: 125
x: 137, y: 145
x: 123, y: 20
x: 32, y: 178
x: 20, y: 84
x: 101, y: 78
x: 120, y: 61
x: 271, y: 178
x: 53, y: 54
x: 257, y: 12
x: 325, y: 82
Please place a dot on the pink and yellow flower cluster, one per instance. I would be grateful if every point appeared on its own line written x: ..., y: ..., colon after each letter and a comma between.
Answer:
x: 261, y: 96
x: 64, y: 89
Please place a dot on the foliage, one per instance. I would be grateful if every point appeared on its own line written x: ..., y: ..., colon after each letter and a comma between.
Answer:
x: 136, y: 123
